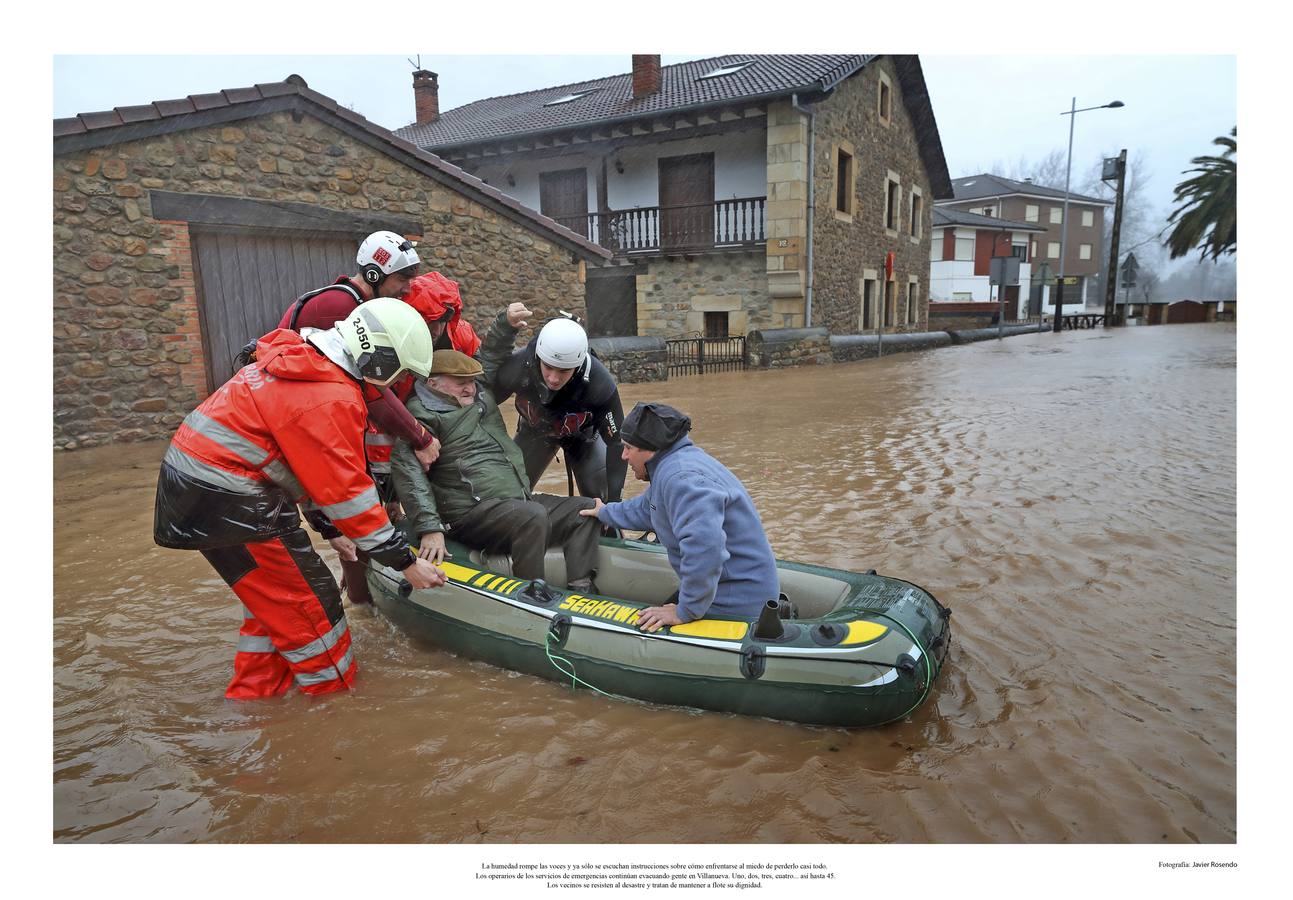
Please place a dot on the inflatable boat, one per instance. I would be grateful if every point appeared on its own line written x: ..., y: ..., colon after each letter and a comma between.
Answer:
x: 837, y: 648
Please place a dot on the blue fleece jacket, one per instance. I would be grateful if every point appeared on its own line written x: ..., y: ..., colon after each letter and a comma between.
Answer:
x: 707, y: 522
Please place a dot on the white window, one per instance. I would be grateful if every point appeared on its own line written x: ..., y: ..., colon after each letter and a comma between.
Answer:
x: 1088, y: 218
x: 1031, y: 213
x: 892, y: 202
x: 1034, y: 253
x: 936, y: 245
x: 569, y: 97
x: 964, y: 247
x: 725, y: 70
x: 1057, y: 215
x: 1084, y: 251
x: 962, y: 295
x: 1052, y: 249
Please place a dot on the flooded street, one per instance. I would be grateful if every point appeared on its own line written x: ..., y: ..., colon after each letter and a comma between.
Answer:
x: 1070, y: 497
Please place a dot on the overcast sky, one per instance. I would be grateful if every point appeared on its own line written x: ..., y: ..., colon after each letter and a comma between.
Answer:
x: 989, y: 108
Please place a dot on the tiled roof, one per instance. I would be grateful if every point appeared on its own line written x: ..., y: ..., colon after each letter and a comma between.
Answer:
x: 611, y: 98
x: 126, y: 123
x: 944, y: 216
x: 973, y: 187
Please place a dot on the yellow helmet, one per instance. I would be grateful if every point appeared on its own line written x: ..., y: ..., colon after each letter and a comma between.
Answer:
x: 387, y: 337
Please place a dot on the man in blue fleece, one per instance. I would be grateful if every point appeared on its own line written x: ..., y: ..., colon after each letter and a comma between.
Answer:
x: 702, y: 515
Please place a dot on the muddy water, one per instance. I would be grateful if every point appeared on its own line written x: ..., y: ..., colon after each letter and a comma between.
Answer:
x: 1071, y: 497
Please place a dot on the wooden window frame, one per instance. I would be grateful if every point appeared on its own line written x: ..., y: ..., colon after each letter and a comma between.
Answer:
x: 892, y: 204
x: 849, y: 187
x: 884, y: 100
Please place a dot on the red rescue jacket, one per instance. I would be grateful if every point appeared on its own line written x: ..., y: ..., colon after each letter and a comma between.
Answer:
x: 287, y: 428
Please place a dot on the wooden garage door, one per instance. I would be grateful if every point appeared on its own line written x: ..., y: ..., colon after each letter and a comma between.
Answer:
x: 247, y: 278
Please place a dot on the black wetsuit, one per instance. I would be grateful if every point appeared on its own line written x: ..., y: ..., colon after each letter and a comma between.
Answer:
x: 583, y: 419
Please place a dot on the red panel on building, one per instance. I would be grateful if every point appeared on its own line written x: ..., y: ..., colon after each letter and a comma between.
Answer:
x: 949, y: 243
x: 988, y: 244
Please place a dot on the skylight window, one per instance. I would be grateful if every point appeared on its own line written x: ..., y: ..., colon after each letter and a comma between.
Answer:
x: 725, y: 70
x: 569, y: 97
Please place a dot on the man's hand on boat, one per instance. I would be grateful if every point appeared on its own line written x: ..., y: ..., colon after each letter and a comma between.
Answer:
x: 517, y: 315
x: 345, y: 548
x: 432, y: 547
x: 653, y: 618
x: 423, y: 574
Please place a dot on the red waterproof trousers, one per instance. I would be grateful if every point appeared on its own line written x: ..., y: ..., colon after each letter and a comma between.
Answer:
x: 294, y: 630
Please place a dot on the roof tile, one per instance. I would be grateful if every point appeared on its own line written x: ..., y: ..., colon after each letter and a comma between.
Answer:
x: 208, y: 101
x: 106, y: 119
x: 137, y: 113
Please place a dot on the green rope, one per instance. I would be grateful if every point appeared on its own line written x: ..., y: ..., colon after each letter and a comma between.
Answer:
x: 574, y: 679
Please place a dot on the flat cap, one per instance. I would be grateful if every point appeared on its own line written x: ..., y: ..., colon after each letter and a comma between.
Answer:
x: 451, y: 362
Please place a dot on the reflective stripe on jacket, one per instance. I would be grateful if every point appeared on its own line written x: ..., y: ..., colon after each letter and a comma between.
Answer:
x: 287, y: 428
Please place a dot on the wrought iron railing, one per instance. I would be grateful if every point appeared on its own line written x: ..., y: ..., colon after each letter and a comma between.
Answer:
x: 697, y: 355
x: 699, y: 226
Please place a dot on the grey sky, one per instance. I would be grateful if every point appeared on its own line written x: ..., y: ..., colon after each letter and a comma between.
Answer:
x: 989, y: 108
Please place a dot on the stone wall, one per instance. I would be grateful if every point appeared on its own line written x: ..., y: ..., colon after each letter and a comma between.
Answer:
x: 674, y: 294
x: 633, y: 359
x: 128, y: 361
x: 847, y: 243
x: 779, y: 348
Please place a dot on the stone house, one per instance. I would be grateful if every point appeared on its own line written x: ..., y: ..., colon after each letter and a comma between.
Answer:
x: 1032, y: 204
x: 961, y: 252
x: 183, y: 228
x: 737, y: 193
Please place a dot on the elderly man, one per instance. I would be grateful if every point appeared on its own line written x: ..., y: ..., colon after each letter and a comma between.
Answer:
x: 702, y: 515
x: 477, y: 489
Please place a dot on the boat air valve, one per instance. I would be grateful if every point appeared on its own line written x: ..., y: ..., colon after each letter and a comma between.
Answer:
x: 769, y: 626
x: 828, y: 634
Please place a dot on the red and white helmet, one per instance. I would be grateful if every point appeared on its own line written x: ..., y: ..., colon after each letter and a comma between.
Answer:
x: 384, y: 253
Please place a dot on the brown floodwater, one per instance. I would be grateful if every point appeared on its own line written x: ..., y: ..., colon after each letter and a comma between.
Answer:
x: 1071, y: 498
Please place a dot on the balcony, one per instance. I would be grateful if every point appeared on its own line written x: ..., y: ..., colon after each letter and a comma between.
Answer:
x: 654, y: 230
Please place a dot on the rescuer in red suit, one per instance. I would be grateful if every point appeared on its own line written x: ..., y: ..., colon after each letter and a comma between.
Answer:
x: 288, y: 429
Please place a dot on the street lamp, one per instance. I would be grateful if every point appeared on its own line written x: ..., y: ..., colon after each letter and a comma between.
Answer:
x: 1064, y: 228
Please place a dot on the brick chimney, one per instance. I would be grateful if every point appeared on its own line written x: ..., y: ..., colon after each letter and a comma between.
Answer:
x: 426, y: 96
x: 646, y: 76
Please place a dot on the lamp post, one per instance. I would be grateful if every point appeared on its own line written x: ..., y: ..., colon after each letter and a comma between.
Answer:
x: 1064, y: 227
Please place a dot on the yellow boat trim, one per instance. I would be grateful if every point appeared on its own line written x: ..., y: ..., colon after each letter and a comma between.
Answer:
x: 712, y: 628
x: 863, y: 632
x: 459, y: 573
x: 511, y: 585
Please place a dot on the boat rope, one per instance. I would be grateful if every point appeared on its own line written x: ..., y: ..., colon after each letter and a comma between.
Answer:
x: 574, y: 679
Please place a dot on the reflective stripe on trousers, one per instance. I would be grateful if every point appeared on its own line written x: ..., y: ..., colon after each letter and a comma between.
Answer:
x: 293, y: 630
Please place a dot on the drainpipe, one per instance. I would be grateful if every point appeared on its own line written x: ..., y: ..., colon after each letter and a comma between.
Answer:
x: 812, y: 133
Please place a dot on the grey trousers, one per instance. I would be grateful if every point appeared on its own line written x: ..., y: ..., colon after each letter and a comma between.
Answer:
x: 527, y: 528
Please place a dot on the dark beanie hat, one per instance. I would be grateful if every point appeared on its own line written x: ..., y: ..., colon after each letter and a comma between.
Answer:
x: 654, y: 426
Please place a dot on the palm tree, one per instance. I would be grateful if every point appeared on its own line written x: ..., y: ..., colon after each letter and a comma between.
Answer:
x: 1206, y: 217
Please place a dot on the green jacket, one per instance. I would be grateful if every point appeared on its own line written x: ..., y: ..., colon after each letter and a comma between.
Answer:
x: 478, y: 460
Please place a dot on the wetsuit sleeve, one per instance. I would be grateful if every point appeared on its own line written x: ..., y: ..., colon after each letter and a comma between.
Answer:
x: 414, y: 490
x: 393, y: 418
x: 497, y: 359
x: 324, y: 447
x: 695, y: 505
x: 609, y: 419
x: 633, y: 514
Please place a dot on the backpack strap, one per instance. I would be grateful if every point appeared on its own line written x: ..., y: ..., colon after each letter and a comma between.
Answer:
x: 299, y: 303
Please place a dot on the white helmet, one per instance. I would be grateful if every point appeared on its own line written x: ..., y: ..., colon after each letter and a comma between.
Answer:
x: 387, y: 337
x: 384, y: 253
x: 562, y: 344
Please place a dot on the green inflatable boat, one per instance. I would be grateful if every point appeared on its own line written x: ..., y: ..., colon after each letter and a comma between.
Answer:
x: 838, y: 648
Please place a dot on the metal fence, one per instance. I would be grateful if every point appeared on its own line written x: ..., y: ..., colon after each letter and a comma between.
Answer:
x: 698, y: 355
